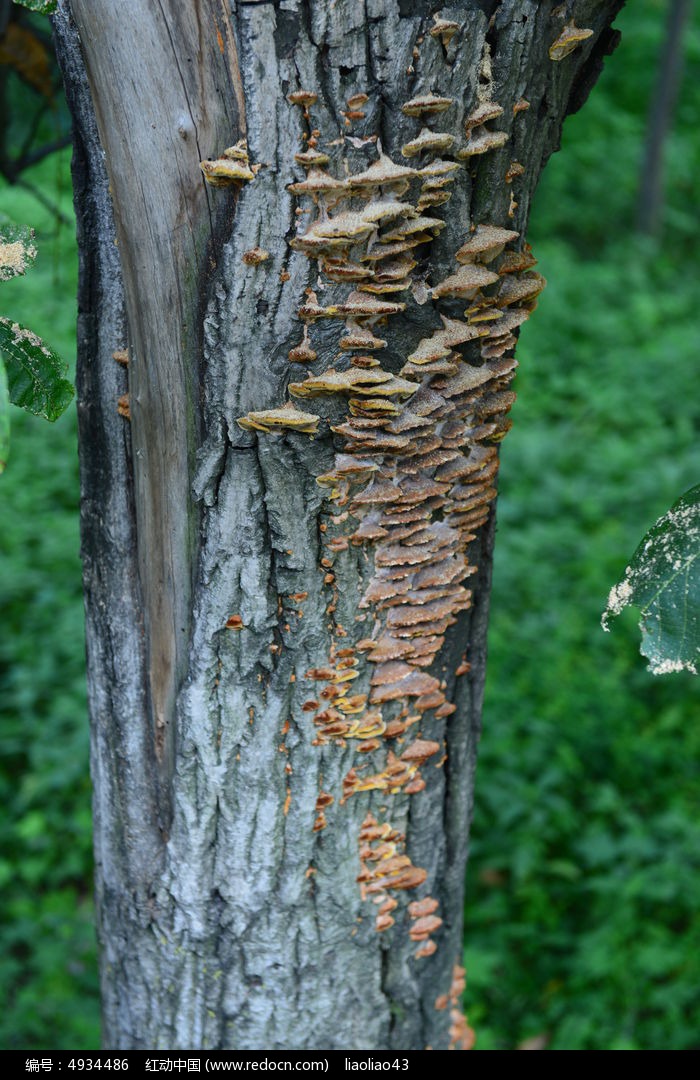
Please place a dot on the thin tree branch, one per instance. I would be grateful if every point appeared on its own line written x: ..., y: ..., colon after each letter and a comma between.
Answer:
x: 51, y: 206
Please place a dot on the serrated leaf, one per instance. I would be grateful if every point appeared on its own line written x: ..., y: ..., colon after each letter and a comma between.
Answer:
x: 44, y: 7
x: 4, y: 417
x: 17, y: 250
x: 35, y: 374
x: 663, y: 582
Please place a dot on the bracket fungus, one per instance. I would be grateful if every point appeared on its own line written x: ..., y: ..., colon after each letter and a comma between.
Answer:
x: 465, y: 282
x: 221, y: 172
x: 233, y: 167
x: 255, y: 256
x: 485, y: 244
x: 319, y: 182
x: 444, y: 29
x: 312, y: 158
x: 414, y: 462
x: 428, y: 141
x: 303, y: 98
x: 570, y: 38
x: 288, y: 416
x: 381, y: 173
x: 480, y: 142
x: 484, y: 111
x: 426, y: 104
x: 303, y: 352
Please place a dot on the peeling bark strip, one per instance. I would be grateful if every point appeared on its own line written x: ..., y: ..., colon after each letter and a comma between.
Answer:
x: 284, y: 774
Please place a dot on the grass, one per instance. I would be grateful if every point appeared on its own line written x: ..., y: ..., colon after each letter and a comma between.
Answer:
x: 582, y: 922
x: 584, y: 881
x: 48, y: 979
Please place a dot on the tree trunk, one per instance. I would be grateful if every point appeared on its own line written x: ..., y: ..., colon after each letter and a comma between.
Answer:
x: 286, y: 676
x: 661, y: 108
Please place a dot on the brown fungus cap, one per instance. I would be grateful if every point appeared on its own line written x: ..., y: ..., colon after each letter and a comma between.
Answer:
x: 482, y: 141
x: 390, y: 672
x: 436, y: 183
x: 373, y: 407
x: 359, y: 306
x: 286, y: 417
x: 411, y: 878
x: 379, y: 493
x: 428, y: 141
x: 426, y: 103
x: 420, y: 224
x: 318, y: 182
x: 485, y: 243
x: 439, y: 167
x: 333, y: 382
x: 360, y: 337
x: 484, y: 111
x: 378, y: 211
x: 417, y: 372
x: 223, y: 171
x: 421, y: 749
x: 341, y: 270
x: 302, y: 97
x: 255, y: 256
x: 511, y: 319
x: 432, y: 198
x: 516, y: 288
x: 239, y: 152
x: 312, y: 158
x: 348, y: 225
x: 302, y: 353
x: 427, y: 924
x: 378, y: 288
x: 570, y: 38
x: 514, y: 170
x: 465, y: 282
x: 444, y: 29
x: 513, y: 262
x: 381, y: 172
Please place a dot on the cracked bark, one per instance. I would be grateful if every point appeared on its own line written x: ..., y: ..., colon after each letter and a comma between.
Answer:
x: 224, y: 920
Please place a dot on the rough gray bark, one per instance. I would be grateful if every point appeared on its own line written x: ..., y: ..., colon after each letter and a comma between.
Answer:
x: 230, y: 912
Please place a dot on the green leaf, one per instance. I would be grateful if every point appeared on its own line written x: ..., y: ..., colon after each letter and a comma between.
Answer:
x: 663, y: 582
x: 44, y: 7
x: 17, y: 250
x: 4, y: 417
x: 35, y: 374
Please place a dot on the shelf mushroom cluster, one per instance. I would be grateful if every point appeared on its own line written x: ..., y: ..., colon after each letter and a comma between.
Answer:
x: 462, y: 1037
x: 385, y: 868
x: 414, y: 475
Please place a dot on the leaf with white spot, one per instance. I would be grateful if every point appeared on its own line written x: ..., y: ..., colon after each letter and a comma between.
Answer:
x: 17, y: 250
x: 663, y: 582
x: 44, y: 7
x: 35, y: 374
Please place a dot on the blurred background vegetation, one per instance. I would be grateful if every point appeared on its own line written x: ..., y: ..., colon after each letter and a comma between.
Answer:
x: 583, y: 892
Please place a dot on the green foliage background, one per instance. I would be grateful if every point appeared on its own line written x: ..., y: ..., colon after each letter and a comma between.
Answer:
x: 583, y: 894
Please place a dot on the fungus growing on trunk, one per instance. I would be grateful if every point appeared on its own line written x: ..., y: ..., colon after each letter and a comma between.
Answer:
x: 485, y: 244
x: 276, y: 419
x: 426, y: 104
x: 570, y: 38
x: 444, y: 29
x: 466, y: 282
x: 428, y: 141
